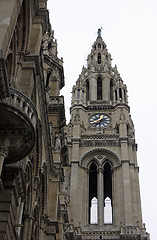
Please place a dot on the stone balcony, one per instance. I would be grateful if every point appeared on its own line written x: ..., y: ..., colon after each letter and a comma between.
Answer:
x: 17, y: 125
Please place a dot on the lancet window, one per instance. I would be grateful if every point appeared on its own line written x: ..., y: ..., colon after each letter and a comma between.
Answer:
x: 99, y: 88
x: 99, y: 58
x: 87, y: 90
x: 100, y: 194
x: 93, y: 194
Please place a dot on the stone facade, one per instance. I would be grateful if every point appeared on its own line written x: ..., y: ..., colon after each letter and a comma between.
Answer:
x: 51, y: 175
x: 33, y: 151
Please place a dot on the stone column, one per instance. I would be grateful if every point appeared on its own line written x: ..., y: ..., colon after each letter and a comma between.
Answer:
x: 100, y: 197
x: 87, y: 220
x: 27, y: 227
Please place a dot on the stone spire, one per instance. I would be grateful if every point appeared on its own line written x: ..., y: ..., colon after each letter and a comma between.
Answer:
x: 99, y: 81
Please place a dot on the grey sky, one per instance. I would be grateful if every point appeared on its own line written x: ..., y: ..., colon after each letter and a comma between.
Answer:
x: 130, y: 33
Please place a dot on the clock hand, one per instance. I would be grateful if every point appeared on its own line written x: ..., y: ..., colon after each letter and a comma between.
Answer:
x: 98, y: 120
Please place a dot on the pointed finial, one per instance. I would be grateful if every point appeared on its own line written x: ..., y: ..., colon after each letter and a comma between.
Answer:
x: 99, y: 32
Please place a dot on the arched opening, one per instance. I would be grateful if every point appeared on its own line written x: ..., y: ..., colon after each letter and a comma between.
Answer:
x: 93, y: 219
x: 107, y: 194
x: 111, y: 90
x: 120, y: 93
x: 78, y: 94
x: 99, y: 88
x: 124, y: 94
x: 87, y: 90
x: 82, y: 97
x: 116, y: 94
x: 99, y: 58
x: 74, y: 96
x: 9, y: 64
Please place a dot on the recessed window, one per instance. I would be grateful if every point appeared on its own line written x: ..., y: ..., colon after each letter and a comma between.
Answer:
x: 78, y: 94
x: 116, y: 94
x: 99, y: 88
x: 107, y: 194
x: 99, y: 58
x: 82, y: 96
x: 74, y: 95
x: 120, y: 93
x: 93, y: 193
x: 87, y: 90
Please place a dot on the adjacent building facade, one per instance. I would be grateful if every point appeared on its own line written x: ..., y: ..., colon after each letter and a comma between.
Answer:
x: 58, y: 181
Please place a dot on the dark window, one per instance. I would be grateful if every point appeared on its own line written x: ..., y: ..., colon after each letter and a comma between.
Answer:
x: 116, y: 94
x: 99, y: 45
x: 99, y: 58
x: 92, y: 192
x: 124, y: 94
x: 120, y: 93
x: 74, y: 95
x: 111, y: 90
x: 82, y: 96
x: 87, y: 90
x: 99, y: 88
x: 107, y: 193
x: 78, y: 94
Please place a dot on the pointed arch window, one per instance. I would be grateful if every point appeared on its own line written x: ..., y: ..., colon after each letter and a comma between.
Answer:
x: 120, y: 93
x: 99, y: 88
x: 111, y: 89
x: 93, y: 194
x: 78, y: 94
x: 107, y: 194
x: 99, y: 58
x: 124, y: 94
x: 74, y: 96
x: 116, y: 94
x: 87, y: 90
x: 82, y: 97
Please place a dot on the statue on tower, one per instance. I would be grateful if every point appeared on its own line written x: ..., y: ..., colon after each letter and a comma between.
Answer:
x: 99, y: 32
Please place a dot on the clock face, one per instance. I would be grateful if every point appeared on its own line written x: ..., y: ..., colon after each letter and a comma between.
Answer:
x: 99, y: 120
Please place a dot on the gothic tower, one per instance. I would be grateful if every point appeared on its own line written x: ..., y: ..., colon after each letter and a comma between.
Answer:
x: 102, y: 176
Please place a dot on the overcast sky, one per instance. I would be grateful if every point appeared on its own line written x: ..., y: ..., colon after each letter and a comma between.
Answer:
x: 130, y: 33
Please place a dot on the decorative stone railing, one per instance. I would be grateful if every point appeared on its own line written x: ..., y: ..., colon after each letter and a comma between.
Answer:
x: 69, y: 228
x: 130, y: 232
x: 17, y: 125
x: 22, y: 103
x: 56, y: 100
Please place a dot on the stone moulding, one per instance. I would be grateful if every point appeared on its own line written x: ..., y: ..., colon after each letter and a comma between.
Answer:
x: 110, y: 155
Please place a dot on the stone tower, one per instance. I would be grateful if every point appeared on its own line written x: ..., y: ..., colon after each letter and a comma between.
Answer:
x: 102, y: 176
